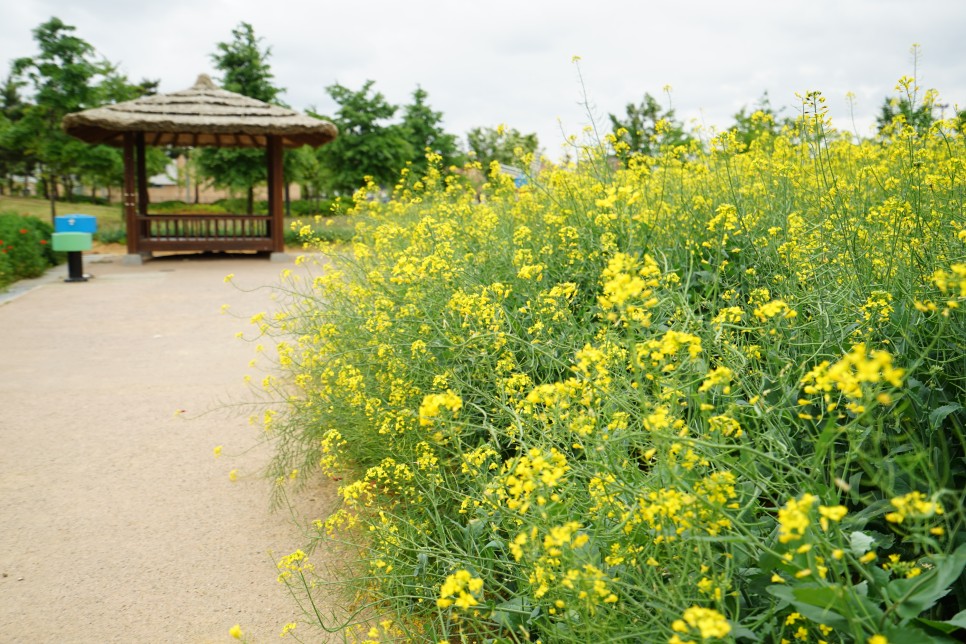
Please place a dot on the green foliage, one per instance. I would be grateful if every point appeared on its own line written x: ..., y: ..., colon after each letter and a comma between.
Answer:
x: 501, y: 144
x: 245, y: 67
x: 900, y: 110
x: 15, y: 157
x: 246, y: 71
x: 423, y: 130
x: 646, y: 128
x: 323, y: 229
x: 65, y: 76
x: 25, y: 249
x: 909, y: 108
x: 111, y: 234
x: 312, y: 207
x: 367, y: 145
x: 303, y: 165
x: 761, y: 125
x: 221, y: 207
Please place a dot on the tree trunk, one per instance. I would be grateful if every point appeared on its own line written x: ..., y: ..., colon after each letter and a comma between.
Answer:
x: 52, y: 193
x: 251, y: 200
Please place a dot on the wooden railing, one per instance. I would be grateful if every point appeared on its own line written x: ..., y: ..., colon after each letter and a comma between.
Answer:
x: 205, y: 232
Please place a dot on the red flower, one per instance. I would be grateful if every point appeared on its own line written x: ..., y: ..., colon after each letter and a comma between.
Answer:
x: 23, y: 231
x: 43, y: 242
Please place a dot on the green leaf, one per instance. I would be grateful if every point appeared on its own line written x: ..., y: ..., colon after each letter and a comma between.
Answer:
x: 911, y: 635
x: 860, y: 543
x: 921, y: 593
x: 938, y: 415
x: 959, y: 620
x: 812, y: 602
x: 743, y: 632
x: 944, y: 627
x: 512, y: 613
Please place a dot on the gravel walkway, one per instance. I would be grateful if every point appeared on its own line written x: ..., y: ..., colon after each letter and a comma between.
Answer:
x: 117, y: 522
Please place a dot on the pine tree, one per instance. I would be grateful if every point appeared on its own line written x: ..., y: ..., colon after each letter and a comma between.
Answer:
x: 245, y: 70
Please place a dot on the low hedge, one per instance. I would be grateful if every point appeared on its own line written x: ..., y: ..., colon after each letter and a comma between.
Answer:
x: 25, y: 248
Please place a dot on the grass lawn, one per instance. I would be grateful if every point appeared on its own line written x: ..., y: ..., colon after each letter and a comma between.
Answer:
x: 111, y: 218
x: 40, y: 208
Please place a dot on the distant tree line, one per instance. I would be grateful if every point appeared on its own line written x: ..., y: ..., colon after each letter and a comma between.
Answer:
x: 65, y: 76
x: 377, y: 138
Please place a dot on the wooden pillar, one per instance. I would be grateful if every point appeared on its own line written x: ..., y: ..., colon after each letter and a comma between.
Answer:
x: 129, y: 195
x: 273, y: 154
x: 142, y: 174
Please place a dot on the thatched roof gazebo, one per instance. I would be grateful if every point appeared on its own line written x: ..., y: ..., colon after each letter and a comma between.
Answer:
x: 204, y: 115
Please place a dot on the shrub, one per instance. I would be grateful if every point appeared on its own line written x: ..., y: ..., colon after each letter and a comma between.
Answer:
x: 321, y: 230
x: 25, y: 244
x: 111, y: 235
x: 240, y: 205
x: 715, y: 394
x: 180, y: 207
x: 312, y: 207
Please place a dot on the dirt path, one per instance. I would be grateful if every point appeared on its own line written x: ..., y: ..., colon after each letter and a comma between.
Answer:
x: 117, y: 523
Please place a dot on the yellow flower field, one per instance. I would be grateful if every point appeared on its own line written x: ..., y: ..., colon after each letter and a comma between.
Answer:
x: 714, y: 395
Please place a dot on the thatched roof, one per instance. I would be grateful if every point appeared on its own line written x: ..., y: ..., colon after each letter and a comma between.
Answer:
x: 204, y: 115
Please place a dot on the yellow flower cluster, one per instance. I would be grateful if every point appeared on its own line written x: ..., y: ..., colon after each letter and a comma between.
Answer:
x: 706, y: 623
x: 659, y: 352
x: 628, y: 286
x: 913, y: 506
x: 852, y: 377
x: 794, y: 518
x: 461, y: 589
x: 668, y: 513
x: 532, y: 477
x: 434, y: 404
x: 293, y: 563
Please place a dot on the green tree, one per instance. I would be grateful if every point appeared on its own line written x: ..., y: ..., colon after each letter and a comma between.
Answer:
x: 423, y: 130
x: 245, y: 71
x: 102, y: 166
x: 367, y: 145
x: 501, y: 144
x: 757, y: 124
x: 304, y: 166
x: 15, y: 159
x: 919, y: 117
x: 646, y: 127
x: 64, y: 79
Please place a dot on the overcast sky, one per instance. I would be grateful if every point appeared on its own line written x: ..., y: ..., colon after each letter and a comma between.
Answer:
x: 487, y: 63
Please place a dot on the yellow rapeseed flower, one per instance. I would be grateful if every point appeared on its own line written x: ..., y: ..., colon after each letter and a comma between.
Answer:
x: 708, y: 622
x: 460, y: 589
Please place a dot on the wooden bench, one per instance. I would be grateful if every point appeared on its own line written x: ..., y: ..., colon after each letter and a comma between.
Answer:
x: 205, y: 232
